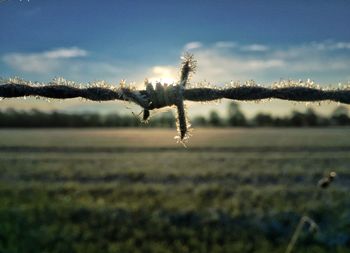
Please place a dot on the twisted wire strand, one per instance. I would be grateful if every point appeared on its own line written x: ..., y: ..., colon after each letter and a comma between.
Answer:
x: 302, y: 94
x: 12, y: 90
x: 143, y: 98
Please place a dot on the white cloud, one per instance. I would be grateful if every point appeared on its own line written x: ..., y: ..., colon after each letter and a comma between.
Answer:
x: 255, y: 48
x: 331, y: 45
x: 225, y: 44
x: 232, y: 44
x: 192, y: 45
x: 216, y: 66
x: 86, y: 71
x: 316, y: 59
x: 31, y: 63
x: 224, y: 61
x: 42, y: 62
x: 64, y: 53
x: 342, y: 45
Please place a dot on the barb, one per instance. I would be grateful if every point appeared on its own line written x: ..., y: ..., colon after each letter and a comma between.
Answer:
x: 173, y: 95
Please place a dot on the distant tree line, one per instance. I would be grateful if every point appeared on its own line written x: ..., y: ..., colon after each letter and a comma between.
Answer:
x: 235, y: 118
x: 36, y: 119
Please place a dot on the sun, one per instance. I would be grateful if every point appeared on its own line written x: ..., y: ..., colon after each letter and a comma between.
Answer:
x: 163, y: 74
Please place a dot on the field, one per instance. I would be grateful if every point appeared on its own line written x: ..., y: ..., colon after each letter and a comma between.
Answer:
x: 119, y: 190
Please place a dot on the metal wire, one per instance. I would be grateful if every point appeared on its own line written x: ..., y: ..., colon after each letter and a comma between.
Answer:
x: 168, y: 95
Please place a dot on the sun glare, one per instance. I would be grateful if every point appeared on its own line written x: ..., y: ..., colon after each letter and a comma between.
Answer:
x: 163, y: 75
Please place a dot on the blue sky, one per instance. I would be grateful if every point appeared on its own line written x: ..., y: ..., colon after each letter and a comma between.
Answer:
x: 232, y: 41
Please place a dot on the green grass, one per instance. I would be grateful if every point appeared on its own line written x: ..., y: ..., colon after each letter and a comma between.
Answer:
x: 237, y: 190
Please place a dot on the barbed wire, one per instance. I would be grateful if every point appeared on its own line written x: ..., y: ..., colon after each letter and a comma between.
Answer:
x: 164, y: 95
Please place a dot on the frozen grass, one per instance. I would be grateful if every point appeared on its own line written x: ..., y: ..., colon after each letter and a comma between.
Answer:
x: 240, y: 190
